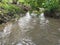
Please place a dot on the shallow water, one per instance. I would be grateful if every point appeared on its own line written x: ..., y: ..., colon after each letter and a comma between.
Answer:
x: 31, y: 30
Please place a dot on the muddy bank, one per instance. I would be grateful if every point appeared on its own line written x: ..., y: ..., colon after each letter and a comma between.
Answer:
x: 14, y: 11
x: 53, y: 14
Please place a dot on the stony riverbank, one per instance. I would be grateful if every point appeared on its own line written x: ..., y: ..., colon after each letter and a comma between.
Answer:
x: 10, y: 12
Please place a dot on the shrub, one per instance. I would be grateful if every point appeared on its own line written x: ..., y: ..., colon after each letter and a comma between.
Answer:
x: 51, y: 5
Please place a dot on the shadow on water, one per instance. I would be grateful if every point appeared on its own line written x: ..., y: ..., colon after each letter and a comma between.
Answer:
x: 31, y: 30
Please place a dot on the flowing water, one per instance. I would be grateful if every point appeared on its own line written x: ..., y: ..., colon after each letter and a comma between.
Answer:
x: 31, y: 30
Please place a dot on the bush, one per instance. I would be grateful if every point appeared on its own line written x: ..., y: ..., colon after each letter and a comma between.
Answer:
x: 51, y: 5
x: 10, y: 7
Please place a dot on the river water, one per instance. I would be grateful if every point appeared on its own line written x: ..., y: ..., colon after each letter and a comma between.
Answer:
x: 31, y: 30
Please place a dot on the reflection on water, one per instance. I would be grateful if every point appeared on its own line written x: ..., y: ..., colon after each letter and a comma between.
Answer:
x: 31, y: 30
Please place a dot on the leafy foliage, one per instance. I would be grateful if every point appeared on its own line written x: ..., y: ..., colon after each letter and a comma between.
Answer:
x: 10, y: 7
x: 51, y: 5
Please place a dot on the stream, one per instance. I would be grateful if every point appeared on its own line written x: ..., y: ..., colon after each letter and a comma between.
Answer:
x: 31, y: 30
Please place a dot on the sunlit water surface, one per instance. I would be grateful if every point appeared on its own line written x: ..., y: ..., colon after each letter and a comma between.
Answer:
x: 31, y: 30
